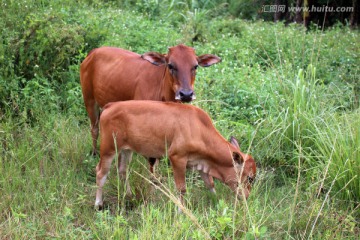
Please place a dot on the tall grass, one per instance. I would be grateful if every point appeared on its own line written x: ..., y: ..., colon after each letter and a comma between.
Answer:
x: 312, y: 120
x: 336, y: 141
x: 50, y: 189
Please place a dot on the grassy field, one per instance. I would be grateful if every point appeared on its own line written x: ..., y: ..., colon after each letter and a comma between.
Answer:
x: 290, y: 95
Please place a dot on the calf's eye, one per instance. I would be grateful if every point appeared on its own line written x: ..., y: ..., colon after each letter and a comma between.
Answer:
x: 250, y: 180
x: 170, y: 66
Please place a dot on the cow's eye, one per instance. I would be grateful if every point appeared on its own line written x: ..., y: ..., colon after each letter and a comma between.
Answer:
x: 172, y: 69
x: 195, y: 67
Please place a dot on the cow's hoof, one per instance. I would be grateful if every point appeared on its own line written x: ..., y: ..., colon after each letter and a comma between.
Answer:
x: 94, y: 153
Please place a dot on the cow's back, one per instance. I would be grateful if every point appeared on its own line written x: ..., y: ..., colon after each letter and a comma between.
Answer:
x: 112, y: 74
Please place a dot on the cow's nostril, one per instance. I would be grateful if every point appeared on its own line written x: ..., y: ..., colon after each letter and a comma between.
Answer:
x: 186, y: 93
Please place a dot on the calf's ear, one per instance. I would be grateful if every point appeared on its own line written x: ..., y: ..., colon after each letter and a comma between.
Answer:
x: 234, y: 142
x: 238, y: 159
x: 207, y: 60
x: 155, y: 58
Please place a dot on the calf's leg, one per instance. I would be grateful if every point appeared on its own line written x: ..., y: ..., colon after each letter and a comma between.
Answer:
x: 123, y: 160
x: 208, y: 180
x: 102, y: 170
x: 179, y: 168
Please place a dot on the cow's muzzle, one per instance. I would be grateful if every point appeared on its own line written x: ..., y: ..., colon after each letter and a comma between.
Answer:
x: 185, y: 95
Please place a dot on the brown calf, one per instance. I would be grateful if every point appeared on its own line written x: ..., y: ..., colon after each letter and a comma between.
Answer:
x: 182, y: 132
x: 112, y: 74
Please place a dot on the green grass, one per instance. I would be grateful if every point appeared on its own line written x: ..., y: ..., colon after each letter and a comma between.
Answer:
x: 289, y: 96
x: 48, y: 187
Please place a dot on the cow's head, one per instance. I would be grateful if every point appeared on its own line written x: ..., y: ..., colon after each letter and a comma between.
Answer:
x: 245, y: 169
x: 181, y: 62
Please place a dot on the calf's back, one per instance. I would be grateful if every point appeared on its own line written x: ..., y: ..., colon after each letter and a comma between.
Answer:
x: 150, y: 128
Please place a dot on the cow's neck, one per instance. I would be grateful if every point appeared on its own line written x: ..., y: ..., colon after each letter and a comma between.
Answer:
x: 166, y: 92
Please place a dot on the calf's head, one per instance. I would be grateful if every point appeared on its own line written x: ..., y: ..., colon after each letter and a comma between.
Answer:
x: 181, y: 62
x: 245, y: 171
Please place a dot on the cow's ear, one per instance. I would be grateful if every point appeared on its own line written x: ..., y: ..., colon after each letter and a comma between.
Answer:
x: 234, y: 142
x: 155, y: 58
x: 238, y: 159
x: 207, y: 60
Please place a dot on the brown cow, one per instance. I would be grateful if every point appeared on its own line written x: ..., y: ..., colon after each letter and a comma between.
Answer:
x: 112, y: 74
x: 182, y: 132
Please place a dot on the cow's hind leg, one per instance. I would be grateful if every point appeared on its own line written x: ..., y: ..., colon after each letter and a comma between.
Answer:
x: 152, y: 162
x: 94, y: 114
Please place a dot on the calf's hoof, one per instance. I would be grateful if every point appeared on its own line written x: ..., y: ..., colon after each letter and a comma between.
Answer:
x: 99, y: 206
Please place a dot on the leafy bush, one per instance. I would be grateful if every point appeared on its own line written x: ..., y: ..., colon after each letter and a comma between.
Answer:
x: 42, y: 44
x: 42, y: 50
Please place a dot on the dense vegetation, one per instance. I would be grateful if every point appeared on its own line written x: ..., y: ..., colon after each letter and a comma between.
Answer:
x: 289, y: 94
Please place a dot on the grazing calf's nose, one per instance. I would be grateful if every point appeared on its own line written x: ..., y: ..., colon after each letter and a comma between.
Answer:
x: 186, y: 95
